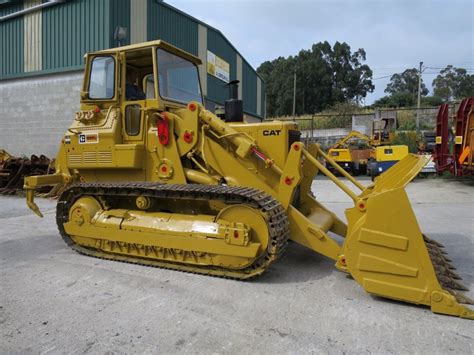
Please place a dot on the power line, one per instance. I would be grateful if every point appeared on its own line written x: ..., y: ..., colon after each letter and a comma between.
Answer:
x: 470, y: 70
x: 389, y: 68
x: 383, y: 77
x: 437, y: 68
x: 451, y: 63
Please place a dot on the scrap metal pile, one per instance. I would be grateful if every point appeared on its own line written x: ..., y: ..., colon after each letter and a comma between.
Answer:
x: 14, y: 169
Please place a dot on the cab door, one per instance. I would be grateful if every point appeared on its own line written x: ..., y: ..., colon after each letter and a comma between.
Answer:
x: 137, y: 65
x: 133, y: 115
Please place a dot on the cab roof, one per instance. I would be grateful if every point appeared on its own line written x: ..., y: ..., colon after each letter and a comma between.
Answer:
x: 151, y: 44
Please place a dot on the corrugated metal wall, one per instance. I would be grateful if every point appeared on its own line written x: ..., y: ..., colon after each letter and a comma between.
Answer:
x: 249, y: 88
x: 11, y: 42
x: 32, y: 40
x: 119, y: 16
x: 72, y: 29
x: 165, y: 23
x: 219, y: 46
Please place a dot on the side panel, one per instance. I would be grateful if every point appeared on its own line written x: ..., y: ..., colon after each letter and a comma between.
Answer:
x: 442, y: 144
x: 120, y: 13
x: 11, y: 42
x: 219, y: 46
x: 72, y: 29
x: 391, y: 152
x: 249, y: 88
x: 33, y: 38
x: 171, y: 26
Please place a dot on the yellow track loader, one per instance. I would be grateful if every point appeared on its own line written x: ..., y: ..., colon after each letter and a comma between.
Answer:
x: 154, y: 178
x: 341, y: 153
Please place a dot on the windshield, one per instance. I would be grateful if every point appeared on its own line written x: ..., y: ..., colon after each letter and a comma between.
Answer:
x: 101, y: 83
x: 178, y: 78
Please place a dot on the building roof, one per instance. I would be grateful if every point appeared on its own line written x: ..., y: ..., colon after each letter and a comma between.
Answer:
x: 212, y: 28
x: 158, y: 43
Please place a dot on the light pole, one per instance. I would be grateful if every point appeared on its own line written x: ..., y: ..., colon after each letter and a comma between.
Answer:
x: 294, y: 96
x: 419, y: 100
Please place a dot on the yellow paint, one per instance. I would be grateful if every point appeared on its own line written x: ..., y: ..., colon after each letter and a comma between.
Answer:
x: 340, y: 155
x: 391, y: 152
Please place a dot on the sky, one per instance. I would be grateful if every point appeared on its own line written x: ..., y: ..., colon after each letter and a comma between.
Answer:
x: 396, y: 34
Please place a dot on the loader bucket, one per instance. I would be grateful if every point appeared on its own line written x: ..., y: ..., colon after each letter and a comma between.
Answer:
x: 387, y: 254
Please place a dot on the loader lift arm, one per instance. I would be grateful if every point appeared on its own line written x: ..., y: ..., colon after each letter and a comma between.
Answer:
x: 351, y: 135
x: 387, y: 258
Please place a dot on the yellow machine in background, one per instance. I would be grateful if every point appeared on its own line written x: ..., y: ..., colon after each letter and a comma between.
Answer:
x: 377, y: 158
x: 154, y: 178
x: 343, y: 157
x: 343, y: 153
x: 384, y: 157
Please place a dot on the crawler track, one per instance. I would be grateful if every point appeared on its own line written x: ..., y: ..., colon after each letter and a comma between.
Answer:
x: 273, y: 212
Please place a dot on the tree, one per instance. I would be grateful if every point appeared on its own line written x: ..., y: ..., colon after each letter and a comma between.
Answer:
x: 406, y: 100
x: 402, y: 90
x: 325, y: 75
x: 399, y: 99
x: 406, y: 83
x: 431, y: 101
x: 453, y: 83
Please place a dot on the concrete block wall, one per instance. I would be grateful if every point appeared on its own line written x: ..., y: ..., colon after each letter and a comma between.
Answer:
x: 35, y: 112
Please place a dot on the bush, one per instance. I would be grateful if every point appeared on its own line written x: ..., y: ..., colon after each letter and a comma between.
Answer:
x: 409, y: 139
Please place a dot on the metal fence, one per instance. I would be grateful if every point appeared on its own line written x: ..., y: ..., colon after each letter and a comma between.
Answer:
x: 326, y: 129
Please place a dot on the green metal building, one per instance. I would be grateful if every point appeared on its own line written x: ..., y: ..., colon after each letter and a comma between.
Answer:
x: 41, y: 38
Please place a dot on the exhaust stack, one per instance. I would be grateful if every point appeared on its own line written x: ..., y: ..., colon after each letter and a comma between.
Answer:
x: 234, y: 108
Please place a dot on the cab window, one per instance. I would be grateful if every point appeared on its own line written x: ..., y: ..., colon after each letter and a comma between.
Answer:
x: 149, y: 86
x: 335, y: 154
x: 388, y: 151
x: 102, y: 78
x: 178, y: 78
x: 132, y: 120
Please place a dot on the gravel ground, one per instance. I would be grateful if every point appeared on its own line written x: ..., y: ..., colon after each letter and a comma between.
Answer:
x: 53, y: 300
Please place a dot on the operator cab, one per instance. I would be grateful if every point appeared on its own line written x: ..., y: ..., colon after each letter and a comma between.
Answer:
x: 151, y: 67
x: 152, y: 76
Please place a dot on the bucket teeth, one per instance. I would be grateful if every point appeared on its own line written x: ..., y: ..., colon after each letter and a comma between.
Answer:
x: 453, y: 275
x: 443, y: 270
x: 434, y: 250
x: 448, y: 282
x: 451, y: 267
x: 461, y: 298
x: 460, y: 286
x: 442, y: 260
x: 431, y: 241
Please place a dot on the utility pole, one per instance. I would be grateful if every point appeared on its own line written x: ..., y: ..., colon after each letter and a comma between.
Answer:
x: 419, y: 100
x: 294, y: 96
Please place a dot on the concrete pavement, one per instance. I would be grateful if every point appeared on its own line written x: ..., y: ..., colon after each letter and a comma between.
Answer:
x: 53, y: 300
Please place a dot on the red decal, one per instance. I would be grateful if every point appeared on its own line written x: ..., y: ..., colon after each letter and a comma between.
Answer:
x: 163, y: 131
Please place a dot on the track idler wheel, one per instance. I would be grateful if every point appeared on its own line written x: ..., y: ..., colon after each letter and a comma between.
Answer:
x: 258, y: 229
x: 83, y: 210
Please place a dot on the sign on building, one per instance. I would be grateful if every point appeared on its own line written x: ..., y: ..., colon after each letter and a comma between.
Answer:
x: 218, y: 67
